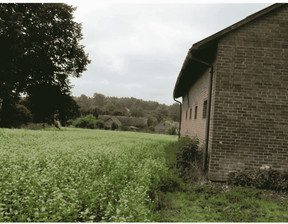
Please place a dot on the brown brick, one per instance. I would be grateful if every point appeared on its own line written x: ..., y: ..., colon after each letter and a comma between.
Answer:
x: 249, y: 114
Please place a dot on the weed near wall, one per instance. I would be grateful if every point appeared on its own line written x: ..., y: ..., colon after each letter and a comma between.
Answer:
x: 260, y: 178
x: 189, y: 159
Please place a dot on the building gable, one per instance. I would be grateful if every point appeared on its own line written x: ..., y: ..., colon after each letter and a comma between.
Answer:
x: 206, y: 50
x: 250, y: 97
x: 248, y: 93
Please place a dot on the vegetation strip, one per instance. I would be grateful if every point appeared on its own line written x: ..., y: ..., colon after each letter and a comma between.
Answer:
x: 208, y: 203
x: 192, y: 198
x: 79, y: 175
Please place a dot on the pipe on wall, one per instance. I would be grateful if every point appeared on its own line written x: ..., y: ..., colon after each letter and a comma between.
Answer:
x: 180, y: 105
x: 205, y: 162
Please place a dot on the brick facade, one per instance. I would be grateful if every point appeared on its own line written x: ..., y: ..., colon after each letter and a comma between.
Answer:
x: 249, y: 108
x: 250, y: 114
x: 195, y: 97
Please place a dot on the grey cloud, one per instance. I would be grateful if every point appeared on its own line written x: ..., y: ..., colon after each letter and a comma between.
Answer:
x: 137, y: 49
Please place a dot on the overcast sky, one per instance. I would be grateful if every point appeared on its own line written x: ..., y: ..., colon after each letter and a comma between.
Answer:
x: 137, y: 49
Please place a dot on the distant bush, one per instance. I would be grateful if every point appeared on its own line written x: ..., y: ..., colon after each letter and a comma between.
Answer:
x: 100, y: 124
x: 91, y: 110
x: 88, y: 121
x: 23, y: 115
x: 124, y: 128
x: 260, y: 178
x: 36, y: 126
x: 151, y: 128
x: 19, y: 116
x: 69, y: 122
x: 114, y: 125
x: 172, y: 130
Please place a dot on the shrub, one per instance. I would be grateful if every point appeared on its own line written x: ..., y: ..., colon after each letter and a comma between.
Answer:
x: 23, y: 115
x: 114, y: 125
x: 100, y: 124
x: 69, y: 122
x: 187, y: 151
x: 124, y: 128
x: 36, y: 126
x: 260, y: 178
x: 189, y: 159
x: 18, y: 115
x: 186, y: 157
x: 172, y: 130
x: 88, y: 121
x: 152, y: 128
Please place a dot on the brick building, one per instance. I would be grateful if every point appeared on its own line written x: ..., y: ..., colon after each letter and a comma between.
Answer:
x: 234, y: 89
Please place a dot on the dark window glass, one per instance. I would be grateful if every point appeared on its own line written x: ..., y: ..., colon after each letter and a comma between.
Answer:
x: 205, y: 109
x: 195, y: 112
x: 190, y: 113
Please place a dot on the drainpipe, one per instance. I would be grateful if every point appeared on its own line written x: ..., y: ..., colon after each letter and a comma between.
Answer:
x: 205, y: 165
x: 208, y: 119
x: 180, y: 104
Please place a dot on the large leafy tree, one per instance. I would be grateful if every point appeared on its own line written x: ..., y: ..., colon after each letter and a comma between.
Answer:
x: 55, y: 105
x: 39, y: 45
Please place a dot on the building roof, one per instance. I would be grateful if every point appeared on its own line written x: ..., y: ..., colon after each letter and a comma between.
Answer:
x: 105, y: 118
x: 205, y: 50
x: 133, y: 121
x: 126, y: 121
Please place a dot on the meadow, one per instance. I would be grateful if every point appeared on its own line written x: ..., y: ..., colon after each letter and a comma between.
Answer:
x: 80, y: 175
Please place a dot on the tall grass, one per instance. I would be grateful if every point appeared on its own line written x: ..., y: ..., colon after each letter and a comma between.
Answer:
x: 79, y: 175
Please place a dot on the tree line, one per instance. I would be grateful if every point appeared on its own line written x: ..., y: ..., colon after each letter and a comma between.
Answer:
x: 99, y: 104
x: 39, y: 50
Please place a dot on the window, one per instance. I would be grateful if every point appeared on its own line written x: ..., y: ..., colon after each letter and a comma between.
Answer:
x: 186, y: 114
x: 205, y: 109
x: 190, y: 113
x: 195, y: 112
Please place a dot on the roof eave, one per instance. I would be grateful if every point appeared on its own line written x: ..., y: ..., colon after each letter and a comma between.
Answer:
x: 199, y: 46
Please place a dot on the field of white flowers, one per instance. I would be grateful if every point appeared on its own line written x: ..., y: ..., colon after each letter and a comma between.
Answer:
x: 78, y: 175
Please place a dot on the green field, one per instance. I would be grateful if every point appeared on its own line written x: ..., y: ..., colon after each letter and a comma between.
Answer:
x: 79, y: 175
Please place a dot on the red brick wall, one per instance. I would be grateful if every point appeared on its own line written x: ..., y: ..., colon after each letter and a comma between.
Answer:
x: 198, y: 93
x: 249, y: 125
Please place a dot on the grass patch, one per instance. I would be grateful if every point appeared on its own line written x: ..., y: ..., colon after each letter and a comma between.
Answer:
x: 209, y: 204
x: 192, y: 199
x: 81, y: 175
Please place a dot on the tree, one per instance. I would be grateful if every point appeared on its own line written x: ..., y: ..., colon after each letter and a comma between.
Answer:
x: 47, y: 103
x: 84, y: 102
x: 68, y: 109
x: 22, y: 115
x: 174, y: 112
x: 161, y: 112
x: 99, y: 100
x: 39, y: 45
x: 136, y: 111
x: 110, y: 108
